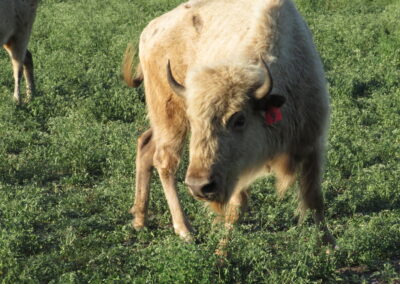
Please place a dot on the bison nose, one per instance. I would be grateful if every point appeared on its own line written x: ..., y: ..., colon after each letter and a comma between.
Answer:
x: 202, y: 187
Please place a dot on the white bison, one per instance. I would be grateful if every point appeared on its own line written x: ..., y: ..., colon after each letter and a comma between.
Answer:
x: 245, y: 79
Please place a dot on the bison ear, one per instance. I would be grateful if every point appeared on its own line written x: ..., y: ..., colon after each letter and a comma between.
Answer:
x: 266, y: 85
x: 175, y: 86
x: 275, y: 100
x: 270, y: 101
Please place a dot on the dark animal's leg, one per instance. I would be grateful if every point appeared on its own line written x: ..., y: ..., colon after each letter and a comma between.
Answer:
x: 28, y: 74
x: 144, y: 166
x: 17, y: 58
x: 311, y: 194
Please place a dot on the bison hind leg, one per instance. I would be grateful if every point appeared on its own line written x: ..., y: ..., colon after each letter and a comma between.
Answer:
x: 28, y: 74
x: 144, y: 166
x: 17, y: 54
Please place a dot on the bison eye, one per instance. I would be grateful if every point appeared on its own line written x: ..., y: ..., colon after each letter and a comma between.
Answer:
x: 237, y: 121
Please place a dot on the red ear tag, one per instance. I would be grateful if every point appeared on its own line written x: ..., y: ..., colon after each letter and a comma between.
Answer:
x: 273, y: 115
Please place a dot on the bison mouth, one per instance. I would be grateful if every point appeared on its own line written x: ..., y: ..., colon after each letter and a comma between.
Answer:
x: 204, y: 197
x: 213, y: 192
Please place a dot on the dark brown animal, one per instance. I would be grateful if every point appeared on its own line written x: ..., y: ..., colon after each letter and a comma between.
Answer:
x: 16, y: 20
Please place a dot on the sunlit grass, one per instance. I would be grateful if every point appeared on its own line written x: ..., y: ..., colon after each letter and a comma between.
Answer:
x: 67, y: 161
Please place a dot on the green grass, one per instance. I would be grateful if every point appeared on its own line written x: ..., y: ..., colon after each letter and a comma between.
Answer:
x: 67, y: 161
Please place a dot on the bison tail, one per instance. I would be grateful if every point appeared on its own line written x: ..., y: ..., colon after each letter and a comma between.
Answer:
x: 132, y: 80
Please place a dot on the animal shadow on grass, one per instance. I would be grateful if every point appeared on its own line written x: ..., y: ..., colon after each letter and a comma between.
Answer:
x: 362, y: 89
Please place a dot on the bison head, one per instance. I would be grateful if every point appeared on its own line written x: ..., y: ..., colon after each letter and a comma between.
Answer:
x: 226, y: 105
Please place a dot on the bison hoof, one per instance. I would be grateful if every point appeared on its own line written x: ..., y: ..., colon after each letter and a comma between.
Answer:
x: 184, y: 234
x: 221, y: 252
x: 17, y: 99
x: 187, y: 237
x: 331, y: 250
x: 138, y: 224
x: 28, y: 96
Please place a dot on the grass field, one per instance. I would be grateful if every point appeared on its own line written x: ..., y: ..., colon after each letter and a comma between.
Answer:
x: 67, y: 161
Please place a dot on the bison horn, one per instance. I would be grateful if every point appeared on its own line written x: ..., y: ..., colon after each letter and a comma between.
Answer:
x: 266, y: 86
x: 175, y: 86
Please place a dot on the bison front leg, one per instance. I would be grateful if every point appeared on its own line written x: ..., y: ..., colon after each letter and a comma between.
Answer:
x: 144, y: 165
x: 235, y: 208
x: 311, y: 194
x: 232, y: 213
x: 166, y: 162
